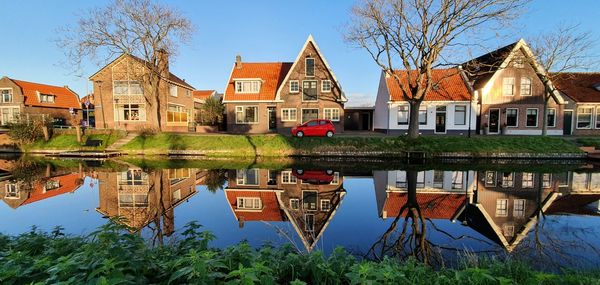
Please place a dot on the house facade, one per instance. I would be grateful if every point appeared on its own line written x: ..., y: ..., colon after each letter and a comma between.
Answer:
x: 22, y: 99
x: 582, y: 95
x: 123, y: 98
x: 276, y: 96
x: 510, y: 95
x: 446, y: 109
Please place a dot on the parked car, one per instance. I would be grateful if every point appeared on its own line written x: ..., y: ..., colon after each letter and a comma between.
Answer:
x: 316, y: 128
x: 314, y: 176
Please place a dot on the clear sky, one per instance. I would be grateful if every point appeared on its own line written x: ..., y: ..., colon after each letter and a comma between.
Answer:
x: 257, y: 30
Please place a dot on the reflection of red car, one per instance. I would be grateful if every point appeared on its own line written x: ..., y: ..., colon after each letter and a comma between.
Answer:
x: 317, y: 128
x: 314, y: 176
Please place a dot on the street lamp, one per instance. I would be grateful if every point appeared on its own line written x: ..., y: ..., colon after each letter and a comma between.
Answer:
x: 99, y: 82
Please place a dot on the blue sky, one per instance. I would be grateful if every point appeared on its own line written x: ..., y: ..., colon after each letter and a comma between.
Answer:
x: 257, y: 30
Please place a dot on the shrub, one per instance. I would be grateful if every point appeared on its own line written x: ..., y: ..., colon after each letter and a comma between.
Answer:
x: 28, y: 131
x: 211, y: 113
x: 148, y: 131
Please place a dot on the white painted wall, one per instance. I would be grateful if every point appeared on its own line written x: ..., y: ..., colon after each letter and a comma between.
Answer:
x: 381, y: 111
x: 431, y: 113
x: 468, y: 179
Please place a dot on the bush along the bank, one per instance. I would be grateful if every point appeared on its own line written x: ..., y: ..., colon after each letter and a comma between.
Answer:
x: 111, y: 255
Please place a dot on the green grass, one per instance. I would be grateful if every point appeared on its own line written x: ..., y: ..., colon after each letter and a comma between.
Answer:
x: 69, y: 142
x: 595, y: 142
x: 277, y: 145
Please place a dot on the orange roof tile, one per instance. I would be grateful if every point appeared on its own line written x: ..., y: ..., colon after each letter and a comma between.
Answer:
x: 270, y: 206
x: 203, y: 94
x: 64, y: 97
x: 271, y: 74
x: 68, y: 183
x: 581, y: 87
x: 432, y: 205
x: 450, y: 86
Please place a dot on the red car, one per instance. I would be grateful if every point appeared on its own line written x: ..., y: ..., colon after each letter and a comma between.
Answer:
x: 314, y: 176
x: 316, y: 128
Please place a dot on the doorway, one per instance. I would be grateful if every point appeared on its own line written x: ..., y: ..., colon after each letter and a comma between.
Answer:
x: 440, y: 120
x: 272, y: 118
x: 494, y: 121
x: 568, y: 122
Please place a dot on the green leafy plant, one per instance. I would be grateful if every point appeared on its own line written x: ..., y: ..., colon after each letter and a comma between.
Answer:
x: 211, y: 113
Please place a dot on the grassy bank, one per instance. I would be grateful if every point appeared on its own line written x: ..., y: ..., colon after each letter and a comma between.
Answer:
x: 277, y: 145
x: 595, y: 142
x: 69, y: 142
x: 111, y: 255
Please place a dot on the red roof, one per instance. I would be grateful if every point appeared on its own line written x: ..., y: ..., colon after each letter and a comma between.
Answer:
x: 270, y: 206
x: 450, y: 86
x: 68, y: 183
x: 432, y: 205
x: 581, y: 87
x: 574, y: 204
x: 64, y: 97
x: 203, y: 94
x: 270, y: 73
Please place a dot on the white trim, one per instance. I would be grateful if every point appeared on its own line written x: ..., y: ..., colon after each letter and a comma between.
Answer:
x: 466, y: 116
x: 302, y: 114
x: 331, y: 109
x: 306, y: 65
x: 555, y: 114
x: 254, y: 199
x: 316, y: 89
x: 407, y: 115
x: 597, y: 115
x: 297, y: 82
x: 247, y: 123
x: 445, y: 120
x: 530, y: 86
x: 321, y: 204
x: 12, y: 95
x: 289, y: 120
x: 591, y: 118
x: 506, y: 118
x: 330, y: 86
x: 316, y: 200
x: 297, y: 201
x: 241, y: 81
x: 513, y: 86
x: 537, y: 117
x: 489, y: 118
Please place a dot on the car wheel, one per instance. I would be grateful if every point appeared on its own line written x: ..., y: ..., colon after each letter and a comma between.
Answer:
x: 329, y: 134
x: 299, y: 134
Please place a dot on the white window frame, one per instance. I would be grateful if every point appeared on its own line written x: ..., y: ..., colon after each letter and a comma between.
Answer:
x: 291, y: 179
x: 518, y: 62
x: 297, y: 203
x: 43, y: 95
x: 554, y: 120
x: 332, y: 116
x: 239, y: 86
x: 502, y: 211
x: 336, y: 179
x: 244, y: 200
x: 519, y: 206
x: 316, y: 89
x: 597, y: 117
x: 302, y: 114
x: 129, y: 89
x: 422, y: 109
x: 494, y: 182
x: 546, y: 180
x: 407, y: 115
x: 591, y: 114
x: 173, y: 90
x: 297, y: 86
x: 12, y: 188
x: 530, y: 86
x: 537, y: 117
x: 289, y: 117
x: 506, y: 118
x: 118, y: 108
x: 323, y: 86
x: 237, y: 110
x: 464, y: 114
x: 306, y: 224
x: 458, y: 180
x: 306, y: 66
x: 2, y: 95
x: 327, y: 201
x: 244, y: 178
x: 504, y: 84
x: 530, y: 182
x: 506, y: 183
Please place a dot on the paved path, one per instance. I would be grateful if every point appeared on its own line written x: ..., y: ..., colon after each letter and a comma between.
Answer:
x: 121, y: 142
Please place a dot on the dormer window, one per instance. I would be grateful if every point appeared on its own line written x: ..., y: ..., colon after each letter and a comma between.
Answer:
x: 46, y: 98
x: 310, y: 67
x: 247, y: 86
x: 51, y: 184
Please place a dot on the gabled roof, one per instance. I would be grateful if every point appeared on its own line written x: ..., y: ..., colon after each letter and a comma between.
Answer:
x: 172, y: 77
x: 64, y: 97
x: 432, y: 205
x: 68, y: 183
x: 271, y: 75
x: 270, y: 210
x: 580, y: 86
x: 203, y: 94
x: 574, y: 204
x: 449, y: 85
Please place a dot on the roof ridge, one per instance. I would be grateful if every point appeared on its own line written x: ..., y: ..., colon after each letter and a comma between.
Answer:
x: 64, y: 86
x: 576, y: 72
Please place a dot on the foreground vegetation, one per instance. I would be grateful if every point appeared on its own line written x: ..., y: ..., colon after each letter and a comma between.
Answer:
x: 112, y: 255
x: 278, y: 145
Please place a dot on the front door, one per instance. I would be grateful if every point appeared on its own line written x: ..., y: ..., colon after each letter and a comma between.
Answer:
x: 440, y: 120
x: 272, y: 118
x: 309, y: 114
x: 568, y: 122
x: 494, y: 121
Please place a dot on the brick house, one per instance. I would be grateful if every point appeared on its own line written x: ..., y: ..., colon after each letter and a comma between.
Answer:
x: 582, y: 94
x: 446, y: 109
x: 268, y: 97
x: 200, y: 97
x: 22, y: 99
x: 510, y: 95
x: 122, y: 98
x: 18, y: 193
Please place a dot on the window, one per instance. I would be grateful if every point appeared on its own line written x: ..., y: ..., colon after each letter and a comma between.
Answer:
x: 525, y: 86
x: 490, y: 178
x: 294, y: 86
x: 438, y: 179
x: 332, y: 114
x: 460, y: 115
x: 288, y: 178
x: 597, y: 117
x: 501, y: 207
x: 246, y: 114
x: 401, y: 179
x: 46, y: 98
x: 532, y: 118
x: 309, y: 90
x: 12, y: 191
x: 512, y: 117
x: 272, y: 177
x: 310, y: 67
x: 176, y: 195
x: 249, y: 203
x: 508, y: 86
x: 133, y: 177
x: 508, y: 230
x: 289, y: 115
x: 325, y: 205
x: 130, y: 112
x: 188, y: 93
x: 527, y: 180
x: 121, y: 87
x: 6, y: 96
x: 508, y: 179
x: 519, y: 208
x: 551, y: 115
x: 247, y: 86
x: 130, y: 200
x: 518, y: 62
x: 421, y: 179
x: 457, y: 180
x: 51, y: 184
x: 173, y: 90
x: 10, y: 115
x: 546, y: 180
x: 176, y: 114
x: 403, y: 115
x: 309, y: 114
x: 336, y: 179
x: 295, y: 204
x: 309, y: 200
x: 326, y: 86
x: 177, y: 175
x: 423, y: 115
x: 247, y: 177
x: 584, y: 117
x: 309, y: 222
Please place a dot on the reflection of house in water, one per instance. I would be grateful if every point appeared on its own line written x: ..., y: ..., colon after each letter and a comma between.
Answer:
x: 440, y: 194
x: 18, y: 193
x: 140, y: 198
x: 308, y: 199
x: 582, y: 197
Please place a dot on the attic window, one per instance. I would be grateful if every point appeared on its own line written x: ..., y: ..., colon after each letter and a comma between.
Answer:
x: 249, y: 86
x: 518, y: 62
x: 46, y: 98
x: 310, y: 67
x: 51, y: 184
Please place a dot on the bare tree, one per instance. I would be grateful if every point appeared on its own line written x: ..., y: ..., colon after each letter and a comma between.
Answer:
x: 413, y: 34
x: 564, y: 49
x: 140, y: 28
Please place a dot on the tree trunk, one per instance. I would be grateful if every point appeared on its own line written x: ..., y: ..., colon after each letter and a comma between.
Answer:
x: 547, y: 96
x: 155, y: 100
x: 413, y: 122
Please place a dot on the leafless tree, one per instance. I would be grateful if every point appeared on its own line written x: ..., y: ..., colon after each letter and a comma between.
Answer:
x: 414, y: 34
x: 564, y: 49
x: 140, y: 28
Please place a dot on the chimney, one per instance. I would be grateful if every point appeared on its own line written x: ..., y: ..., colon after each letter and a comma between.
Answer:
x: 238, y: 61
x: 163, y: 62
x: 241, y: 221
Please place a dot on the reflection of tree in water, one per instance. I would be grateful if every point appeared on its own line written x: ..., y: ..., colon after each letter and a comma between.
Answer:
x: 215, y: 179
